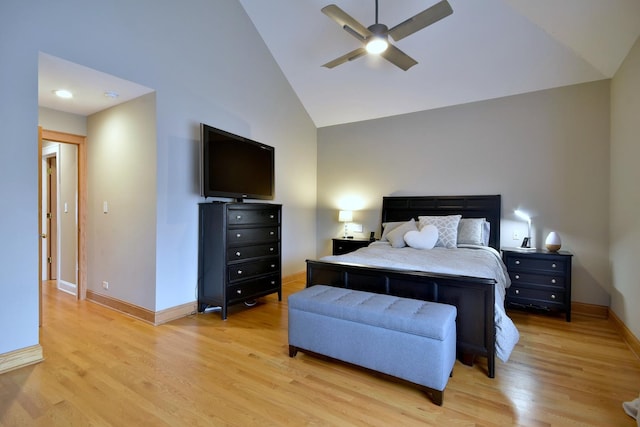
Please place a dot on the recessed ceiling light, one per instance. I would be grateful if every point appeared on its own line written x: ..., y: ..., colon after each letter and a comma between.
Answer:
x: 111, y: 94
x: 63, y: 93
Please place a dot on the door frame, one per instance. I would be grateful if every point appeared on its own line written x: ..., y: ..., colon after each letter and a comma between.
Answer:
x: 80, y: 142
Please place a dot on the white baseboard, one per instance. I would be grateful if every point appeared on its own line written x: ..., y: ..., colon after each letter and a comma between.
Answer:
x: 70, y: 288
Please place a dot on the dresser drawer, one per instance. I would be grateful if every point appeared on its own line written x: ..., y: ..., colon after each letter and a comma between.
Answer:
x: 537, y: 264
x: 255, y: 251
x: 535, y: 297
x: 241, y: 236
x: 253, y: 288
x: 253, y: 216
x: 518, y: 277
x: 248, y: 269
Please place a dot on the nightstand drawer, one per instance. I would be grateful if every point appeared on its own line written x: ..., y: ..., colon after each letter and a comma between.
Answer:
x: 344, y: 246
x: 536, y: 279
x: 537, y: 264
x: 534, y: 297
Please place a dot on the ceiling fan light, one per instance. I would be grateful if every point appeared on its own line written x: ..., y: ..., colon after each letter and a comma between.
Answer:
x: 377, y: 45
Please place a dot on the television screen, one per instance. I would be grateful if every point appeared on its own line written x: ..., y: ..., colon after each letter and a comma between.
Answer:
x: 234, y: 166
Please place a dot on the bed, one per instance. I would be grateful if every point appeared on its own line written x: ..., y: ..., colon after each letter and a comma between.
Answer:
x: 483, y: 328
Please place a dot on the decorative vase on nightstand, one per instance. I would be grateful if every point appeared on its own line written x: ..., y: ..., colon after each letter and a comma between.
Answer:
x: 553, y: 242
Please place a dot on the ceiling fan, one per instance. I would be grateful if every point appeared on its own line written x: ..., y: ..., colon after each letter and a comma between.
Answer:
x: 375, y: 37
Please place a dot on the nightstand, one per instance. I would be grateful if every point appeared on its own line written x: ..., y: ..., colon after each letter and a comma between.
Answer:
x: 539, y: 279
x: 343, y: 246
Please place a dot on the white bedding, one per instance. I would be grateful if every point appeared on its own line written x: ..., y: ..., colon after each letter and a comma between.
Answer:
x: 467, y: 260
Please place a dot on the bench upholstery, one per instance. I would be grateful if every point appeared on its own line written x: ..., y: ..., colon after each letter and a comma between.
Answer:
x: 409, y: 339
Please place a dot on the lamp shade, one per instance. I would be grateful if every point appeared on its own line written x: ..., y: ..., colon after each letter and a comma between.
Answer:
x: 522, y: 215
x: 345, y: 216
x: 553, y: 242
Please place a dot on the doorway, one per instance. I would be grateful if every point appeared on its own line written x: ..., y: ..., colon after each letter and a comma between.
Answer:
x: 50, y: 213
x: 79, y: 142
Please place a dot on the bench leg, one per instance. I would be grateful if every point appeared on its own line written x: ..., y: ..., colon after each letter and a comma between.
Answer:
x: 293, y: 350
x: 436, y: 396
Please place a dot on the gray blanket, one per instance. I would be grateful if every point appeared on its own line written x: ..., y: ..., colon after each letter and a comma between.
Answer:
x: 467, y: 260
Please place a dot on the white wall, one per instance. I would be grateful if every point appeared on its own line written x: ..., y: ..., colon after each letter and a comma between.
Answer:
x: 206, y: 63
x: 121, y: 171
x: 545, y: 152
x: 68, y: 220
x: 61, y: 121
x: 625, y: 196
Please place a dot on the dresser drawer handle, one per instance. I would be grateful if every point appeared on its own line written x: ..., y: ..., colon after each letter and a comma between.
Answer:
x: 238, y: 216
x: 271, y: 249
x: 553, y: 296
x: 238, y: 235
x: 273, y: 282
x: 517, y: 276
x: 554, y: 265
x: 238, y: 253
x: 273, y: 266
x: 553, y: 281
x: 517, y: 262
x: 272, y: 216
x: 271, y: 233
x: 239, y: 271
x: 517, y: 291
x: 239, y: 291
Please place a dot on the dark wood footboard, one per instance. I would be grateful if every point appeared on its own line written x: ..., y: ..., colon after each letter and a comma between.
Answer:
x: 472, y: 296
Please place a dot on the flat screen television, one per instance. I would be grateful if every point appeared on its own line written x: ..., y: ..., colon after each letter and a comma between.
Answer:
x: 232, y: 166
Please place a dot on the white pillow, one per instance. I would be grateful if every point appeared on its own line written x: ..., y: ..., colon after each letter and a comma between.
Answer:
x: 387, y: 227
x: 396, y: 236
x: 423, y: 239
x: 447, y: 228
x: 471, y: 231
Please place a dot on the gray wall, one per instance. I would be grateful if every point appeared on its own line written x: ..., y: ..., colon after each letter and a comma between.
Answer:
x: 206, y: 63
x: 545, y: 152
x: 625, y: 196
x: 68, y: 190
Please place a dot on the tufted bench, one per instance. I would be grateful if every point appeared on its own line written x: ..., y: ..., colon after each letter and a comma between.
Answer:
x: 405, y: 338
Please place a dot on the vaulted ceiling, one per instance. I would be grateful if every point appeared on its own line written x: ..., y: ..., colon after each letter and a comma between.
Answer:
x: 485, y: 49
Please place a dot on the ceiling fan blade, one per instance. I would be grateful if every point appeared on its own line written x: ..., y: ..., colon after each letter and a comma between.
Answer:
x: 398, y: 57
x: 355, y: 54
x: 423, y: 19
x: 349, y: 24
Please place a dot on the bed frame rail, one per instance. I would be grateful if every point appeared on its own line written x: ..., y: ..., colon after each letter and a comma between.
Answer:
x: 473, y: 297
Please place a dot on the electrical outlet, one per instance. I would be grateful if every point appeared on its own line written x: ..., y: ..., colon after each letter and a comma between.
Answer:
x: 105, y: 285
x: 516, y: 235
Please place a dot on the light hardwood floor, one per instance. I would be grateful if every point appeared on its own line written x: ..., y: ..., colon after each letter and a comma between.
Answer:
x: 104, y: 368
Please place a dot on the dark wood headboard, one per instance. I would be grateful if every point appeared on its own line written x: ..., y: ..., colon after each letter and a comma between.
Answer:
x: 403, y: 208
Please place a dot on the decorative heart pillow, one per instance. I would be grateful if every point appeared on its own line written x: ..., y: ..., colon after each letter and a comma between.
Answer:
x: 423, y: 239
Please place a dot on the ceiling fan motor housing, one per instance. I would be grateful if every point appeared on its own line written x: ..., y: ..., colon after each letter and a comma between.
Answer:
x: 379, y: 30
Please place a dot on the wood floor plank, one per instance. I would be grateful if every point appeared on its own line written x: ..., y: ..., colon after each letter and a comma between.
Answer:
x: 103, y: 368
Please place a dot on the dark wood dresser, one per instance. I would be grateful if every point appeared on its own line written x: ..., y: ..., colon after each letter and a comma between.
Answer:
x: 239, y: 257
